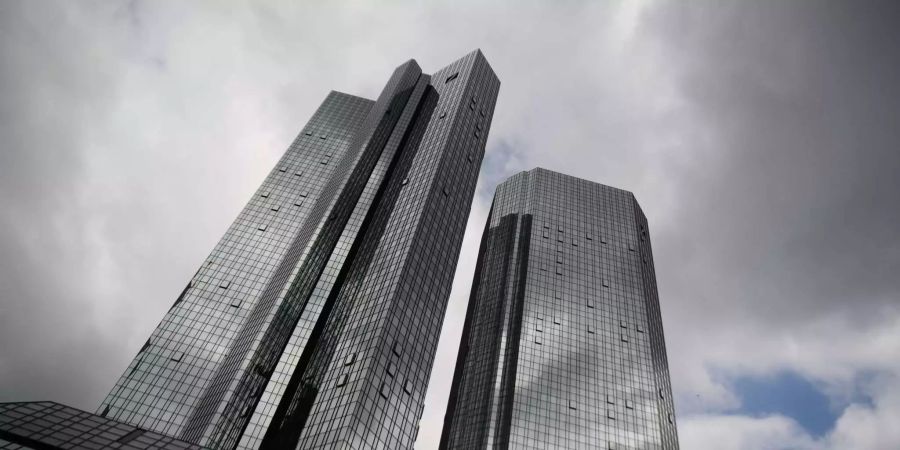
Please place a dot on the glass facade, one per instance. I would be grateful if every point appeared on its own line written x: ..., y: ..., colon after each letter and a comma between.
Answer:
x: 314, y: 321
x: 562, y: 345
x: 49, y: 425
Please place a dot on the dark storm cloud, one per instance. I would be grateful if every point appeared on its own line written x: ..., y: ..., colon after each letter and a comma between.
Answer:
x: 800, y: 100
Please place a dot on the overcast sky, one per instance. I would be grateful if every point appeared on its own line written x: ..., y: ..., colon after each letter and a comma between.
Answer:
x: 762, y: 140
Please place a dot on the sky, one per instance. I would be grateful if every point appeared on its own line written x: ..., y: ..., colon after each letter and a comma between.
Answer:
x: 760, y: 138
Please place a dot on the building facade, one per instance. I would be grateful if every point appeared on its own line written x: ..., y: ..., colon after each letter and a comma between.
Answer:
x: 562, y: 345
x: 314, y: 321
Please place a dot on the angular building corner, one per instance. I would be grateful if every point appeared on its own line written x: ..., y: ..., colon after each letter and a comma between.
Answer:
x: 562, y: 345
x: 314, y: 321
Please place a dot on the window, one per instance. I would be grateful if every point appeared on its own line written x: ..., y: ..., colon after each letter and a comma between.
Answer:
x: 275, y: 208
x: 572, y: 404
x: 405, y: 180
x: 397, y: 348
x: 611, y: 414
x: 304, y: 194
x: 132, y: 435
x: 391, y: 369
x: 262, y: 227
x: 629, y: 404
x: 236, y: 303
x: 590, y: 329
x: 350, y: 359
x: 308, y: 133
x: 135, y: 368
x: 624, y: 338
x: 671, y: 418
x: 323, y: 137
x: 442, y: 115
x: 177, y: 356
x: 177, y: 301
x: 605, y: 283
x: 610, y: 399
x: 264, y: 194
x: 225, y: 284
x: 640, y: 328
x: 407, y: 387
x: 342, y: 380
x: 451, y: 78
x: 623, y: 324
x: 385, y: 390
x: 470, y: 157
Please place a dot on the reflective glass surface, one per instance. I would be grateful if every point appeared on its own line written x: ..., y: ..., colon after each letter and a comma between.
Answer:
x: 563, y: 343
x: 51, y: 425
x: 347, y: 250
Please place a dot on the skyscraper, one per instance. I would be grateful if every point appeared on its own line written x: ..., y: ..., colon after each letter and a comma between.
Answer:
x: 562, y: 345
x: 314, y: 321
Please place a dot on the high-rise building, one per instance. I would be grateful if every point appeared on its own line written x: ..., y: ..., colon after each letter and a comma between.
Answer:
x: 562, y: 345
x: 314, y: 321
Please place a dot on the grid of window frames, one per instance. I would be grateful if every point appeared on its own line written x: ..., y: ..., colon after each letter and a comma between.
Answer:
x: 28, y: 425
x: 563, y: 343
x: 328, y: 280
x: 222, y: 412
x: 345, y: 222
x: 371, y: 372
x: 161, y: 387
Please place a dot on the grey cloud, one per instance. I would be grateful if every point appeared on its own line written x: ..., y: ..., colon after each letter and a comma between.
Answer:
x: 759, y: 138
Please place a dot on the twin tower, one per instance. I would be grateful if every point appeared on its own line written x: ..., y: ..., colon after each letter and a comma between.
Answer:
x: 315, y: 320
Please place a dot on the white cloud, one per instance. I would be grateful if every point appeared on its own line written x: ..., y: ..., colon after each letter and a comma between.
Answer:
x: 704, y: 432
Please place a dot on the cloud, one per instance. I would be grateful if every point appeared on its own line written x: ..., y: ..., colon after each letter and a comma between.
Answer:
x: 758, y: 137
x: 859, y: 427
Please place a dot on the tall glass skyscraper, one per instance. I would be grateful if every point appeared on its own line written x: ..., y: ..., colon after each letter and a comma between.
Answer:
x: 314, y: 321
x: 562, y: 345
